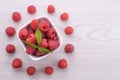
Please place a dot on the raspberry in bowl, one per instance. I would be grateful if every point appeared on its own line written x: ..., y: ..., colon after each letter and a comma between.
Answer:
x: 39, y: 38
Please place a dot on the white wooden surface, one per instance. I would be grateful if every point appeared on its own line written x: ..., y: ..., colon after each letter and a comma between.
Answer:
x: 96, y: 38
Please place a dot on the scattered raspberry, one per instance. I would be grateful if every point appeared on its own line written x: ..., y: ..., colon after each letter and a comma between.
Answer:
x: 34, y: 24
x: 31, y: 70
x: 17, y: 63
x: 51, y: 33
x: 30, y: 50
x: 38, y: 53
x: 16, y: 16
x: 23, y: 33
x: 31, y: 38
x: 10, y: 48
x: 44, y: 26
x: 44, y: 43
x: 53, y: 44
x: 69, y: 48
x: 62, y: 63
x: 69, y: 30
x: 64, y: 16
x: 31, y: 9
x: 10, y: 31
x: 51, y: 9
x: 49, y: 70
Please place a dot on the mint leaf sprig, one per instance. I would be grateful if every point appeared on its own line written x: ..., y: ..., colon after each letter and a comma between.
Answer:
x: 42, y: 49
x: 38, y: 35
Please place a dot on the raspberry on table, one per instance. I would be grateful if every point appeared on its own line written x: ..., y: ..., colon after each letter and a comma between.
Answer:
x: 31, y: 38
x: 23, y: 33
x: 69, y: 48
x: 44, y: 26
x: 64, y: 16
x: 31, y: 70
x: 31, y: 9
x: 10, y: 31
x: 50, y: 9
x: 51, y: 33
x: 34, y: 24
x: 16, y: 16
x: 10, y: 48
x: 49, y: 70
x: 53, y: 44
x: 62, y: 63
x: 68, y: 30
x: 30, y: 50
x: 17, y: 63
x: 44, y: 43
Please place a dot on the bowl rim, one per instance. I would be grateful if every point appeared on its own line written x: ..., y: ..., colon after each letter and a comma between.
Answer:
x: 39, y: 58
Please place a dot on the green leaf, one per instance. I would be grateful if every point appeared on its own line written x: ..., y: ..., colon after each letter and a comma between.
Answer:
x: 30, y: 44
x: 42, y: 49
x: 38, y: 35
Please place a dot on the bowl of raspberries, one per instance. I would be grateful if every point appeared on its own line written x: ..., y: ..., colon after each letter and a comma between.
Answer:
x: 39, y: 38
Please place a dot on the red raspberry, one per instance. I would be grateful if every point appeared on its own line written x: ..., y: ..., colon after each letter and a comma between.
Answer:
x: 31, y: 9
x: 34, y: 24
x: 49, y: 70
x: 16, y: 16
x: 10, y: 31
x: 10, y: 48
x: 31, y: 70
x: 31, y: 38
x: 51, y: 33
x: 62, y: 63
x: 51, y: 9
x: 64, y: 16
x: 44, y: 43
x: 17, y: 63
x: 69, y: 48
x: 38, y: 53
x: 69, y: 30
x: 55, y: 38
x: 23, y: 33
x: 31, y: 31
x: 44, y: 26
x: 43, y: 35
x: 30, y: 50
x: 53, y: 44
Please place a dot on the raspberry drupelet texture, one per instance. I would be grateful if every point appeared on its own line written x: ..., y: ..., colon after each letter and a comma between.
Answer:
x: 68, y: 30
x: 31, y: 9
x: 31, y: 70
x: 10, y: 48
x: 53, y: 44
x: 44, y: 43
x: 51, y: 33
x: 38, y: 53
x: 64, y: 16
x: 10, y: 31
x: 23, y: 33
x: 50, y: 9
x: 17, y: 63
x: 34, y: 24
x: 31, y: 38
x: 16, y: 16
x: 44, y: 26
x: 49, y: 70
x: 69, y: 48
x: 30, y: 50
x: 62, y: 63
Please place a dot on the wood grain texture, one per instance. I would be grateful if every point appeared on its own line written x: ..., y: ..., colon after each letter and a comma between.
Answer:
x: 96, y: 39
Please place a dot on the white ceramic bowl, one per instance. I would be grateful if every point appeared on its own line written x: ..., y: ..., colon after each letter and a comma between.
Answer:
x: 41, y: 57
